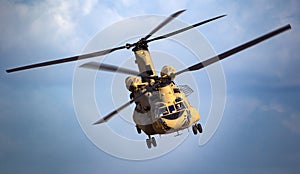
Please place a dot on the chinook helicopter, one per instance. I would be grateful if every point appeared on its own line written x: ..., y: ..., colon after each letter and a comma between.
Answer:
x: 162, y: 107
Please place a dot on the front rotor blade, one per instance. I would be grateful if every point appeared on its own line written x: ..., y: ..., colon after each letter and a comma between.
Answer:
x: 235, y: 50
x: 113, y: 113
x: 184, y: 29
x: 109, y: 68
x: 64, y: 60
x: 166, y: 21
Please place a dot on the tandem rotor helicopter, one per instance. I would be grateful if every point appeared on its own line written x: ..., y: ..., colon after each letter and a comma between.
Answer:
x: 162, y: 107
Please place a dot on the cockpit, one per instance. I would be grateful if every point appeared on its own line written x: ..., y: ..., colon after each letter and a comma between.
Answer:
x: 171, y: 112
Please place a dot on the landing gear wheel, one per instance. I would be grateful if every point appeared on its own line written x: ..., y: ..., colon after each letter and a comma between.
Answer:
x: 138, y: 129
x: 148, y: 142
x: 199, y: 127
x: 195, y: 130
x: 153, y: 141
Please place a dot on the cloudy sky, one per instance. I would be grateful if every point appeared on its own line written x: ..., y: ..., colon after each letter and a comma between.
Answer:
x: 260, y: 129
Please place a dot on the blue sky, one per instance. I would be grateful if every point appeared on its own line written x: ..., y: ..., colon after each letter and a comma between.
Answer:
x: 260, y: 129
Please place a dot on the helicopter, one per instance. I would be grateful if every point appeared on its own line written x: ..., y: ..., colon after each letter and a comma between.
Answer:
x: 161, y: 106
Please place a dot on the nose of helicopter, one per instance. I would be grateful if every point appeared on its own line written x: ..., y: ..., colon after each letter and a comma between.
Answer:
x: 178, y: 120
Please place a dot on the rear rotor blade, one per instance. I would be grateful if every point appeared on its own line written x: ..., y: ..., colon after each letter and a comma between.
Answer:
x: 109, y: 68
x: 184, y: 29
x: 235, y: 50
x: 166, y: 21
x: 64, y: 60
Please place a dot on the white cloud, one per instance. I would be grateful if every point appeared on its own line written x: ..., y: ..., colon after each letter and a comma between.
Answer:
x: 57, y: 21
x: 46, y: 21
x: 88, y: 6
x: 60, y: 25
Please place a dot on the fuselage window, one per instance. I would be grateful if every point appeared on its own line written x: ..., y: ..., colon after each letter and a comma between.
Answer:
x: 178, y: 99
x: 176, y: 90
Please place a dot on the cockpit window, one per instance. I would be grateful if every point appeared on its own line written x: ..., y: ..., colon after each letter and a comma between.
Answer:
x: 179, y: 106
x: 163, y: 111
x: 172, y: 109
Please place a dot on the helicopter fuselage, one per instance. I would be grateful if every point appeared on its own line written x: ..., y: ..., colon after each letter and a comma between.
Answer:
x: 163, y: 110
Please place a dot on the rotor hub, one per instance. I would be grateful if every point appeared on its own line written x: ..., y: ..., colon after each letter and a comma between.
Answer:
x: 140, y: 45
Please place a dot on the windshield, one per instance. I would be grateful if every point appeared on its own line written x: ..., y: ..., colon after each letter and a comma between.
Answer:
x: 165, y: 110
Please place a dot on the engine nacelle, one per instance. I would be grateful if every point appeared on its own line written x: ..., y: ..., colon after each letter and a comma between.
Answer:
x: 132, y: 83
x: 168, y: 71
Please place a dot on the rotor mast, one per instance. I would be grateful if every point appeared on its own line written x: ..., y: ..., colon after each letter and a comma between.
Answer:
x: 144, y: 61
